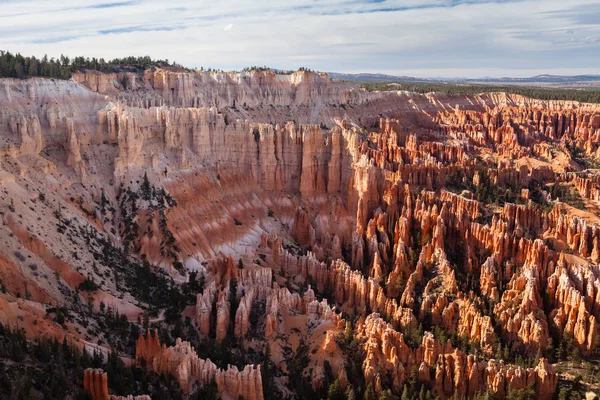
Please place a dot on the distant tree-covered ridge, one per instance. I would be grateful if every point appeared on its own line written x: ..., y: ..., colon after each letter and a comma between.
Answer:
x: 18, y: 66
x: 591, y: 95
x: 255, y: 68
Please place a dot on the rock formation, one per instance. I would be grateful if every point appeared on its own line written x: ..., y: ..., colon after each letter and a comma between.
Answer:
x: 459, y: 233
x: 146, y: 347
x: 183, y: 363
x: 95, y: 382
x: 448, y: 370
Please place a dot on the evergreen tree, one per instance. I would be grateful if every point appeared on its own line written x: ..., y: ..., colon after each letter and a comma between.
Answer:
x: 405, y: 395
x: 350, y: 394
x: 370, y: 393
x: 17, y: 66
x: 266, y: 371
x: 335, y: 391
x: 146, y: 188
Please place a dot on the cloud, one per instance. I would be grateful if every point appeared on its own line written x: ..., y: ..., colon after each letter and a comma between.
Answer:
x: 54, y: 40
x: 581, y: 14
x: 129, y: 29
x: 417, y: 37
x: 112, y: 5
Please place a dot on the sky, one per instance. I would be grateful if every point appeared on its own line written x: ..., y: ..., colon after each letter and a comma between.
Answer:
x: 422, y: 38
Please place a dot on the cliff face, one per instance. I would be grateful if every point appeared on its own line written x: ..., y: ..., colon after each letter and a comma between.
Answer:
x: 277, y: 157
x: 220, y: 89
x: 459, y: 233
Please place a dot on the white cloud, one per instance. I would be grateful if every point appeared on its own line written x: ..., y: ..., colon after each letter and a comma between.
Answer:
x: 417, y: 37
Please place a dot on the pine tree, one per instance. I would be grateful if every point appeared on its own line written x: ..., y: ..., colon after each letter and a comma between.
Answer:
x: 267, y: 373
x: 146, y: 188
x: 146, y: 321
x: 335, y: 391
x: 19, y: 70
x: 370, y: 392
x: 350, y: 394
x: 103, y: 201
x: 348, y: 333
x: 33, y: 67
x: 405, y: 395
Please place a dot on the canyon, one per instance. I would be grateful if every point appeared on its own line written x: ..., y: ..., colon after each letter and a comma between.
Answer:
x: 267, y: 235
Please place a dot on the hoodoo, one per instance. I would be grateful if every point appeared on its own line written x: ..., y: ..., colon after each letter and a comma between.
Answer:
x: 259, y: 235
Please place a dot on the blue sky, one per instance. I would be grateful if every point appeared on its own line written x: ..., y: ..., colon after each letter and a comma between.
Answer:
x: 466, y: 38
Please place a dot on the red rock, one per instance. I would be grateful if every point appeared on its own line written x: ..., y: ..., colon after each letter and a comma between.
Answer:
x: 95, y: 382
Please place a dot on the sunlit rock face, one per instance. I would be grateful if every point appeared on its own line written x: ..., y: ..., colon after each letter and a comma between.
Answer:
x: 443, y: 240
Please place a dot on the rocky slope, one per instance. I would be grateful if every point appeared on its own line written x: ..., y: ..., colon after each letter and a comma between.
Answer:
x: 286, y: 234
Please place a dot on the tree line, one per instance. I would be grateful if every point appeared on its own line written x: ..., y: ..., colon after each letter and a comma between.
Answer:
x: 18, y: 66
x: 591, y: 95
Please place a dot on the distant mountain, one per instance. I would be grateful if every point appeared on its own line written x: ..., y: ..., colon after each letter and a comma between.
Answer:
x: 366, y: 77
x: 542, y: 79
x: 538, y: 79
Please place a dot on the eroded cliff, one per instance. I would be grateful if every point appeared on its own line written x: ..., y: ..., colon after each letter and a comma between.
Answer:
x: 281, y: 235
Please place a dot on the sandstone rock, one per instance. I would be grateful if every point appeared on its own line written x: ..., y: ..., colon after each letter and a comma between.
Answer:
x: 146, y: 347
x: 95, y: 382
x: 301, y: 179
x: 183, y: 363
x: 455, y: 373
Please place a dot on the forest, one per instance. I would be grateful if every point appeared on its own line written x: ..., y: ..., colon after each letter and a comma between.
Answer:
x: 18, y: 66
x: 583, y: 95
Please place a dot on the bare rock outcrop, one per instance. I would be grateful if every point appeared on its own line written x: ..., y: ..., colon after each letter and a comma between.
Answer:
x: 448, y: 370
x: 183, y: 363
x: 95, y: 382
x: 146, y: 347
x: 310, y: 199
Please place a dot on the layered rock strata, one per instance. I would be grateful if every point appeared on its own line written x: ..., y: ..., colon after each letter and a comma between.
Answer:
x: 305, y: 198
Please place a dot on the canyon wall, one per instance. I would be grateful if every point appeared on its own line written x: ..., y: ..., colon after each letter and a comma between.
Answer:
x: 460, y: 233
